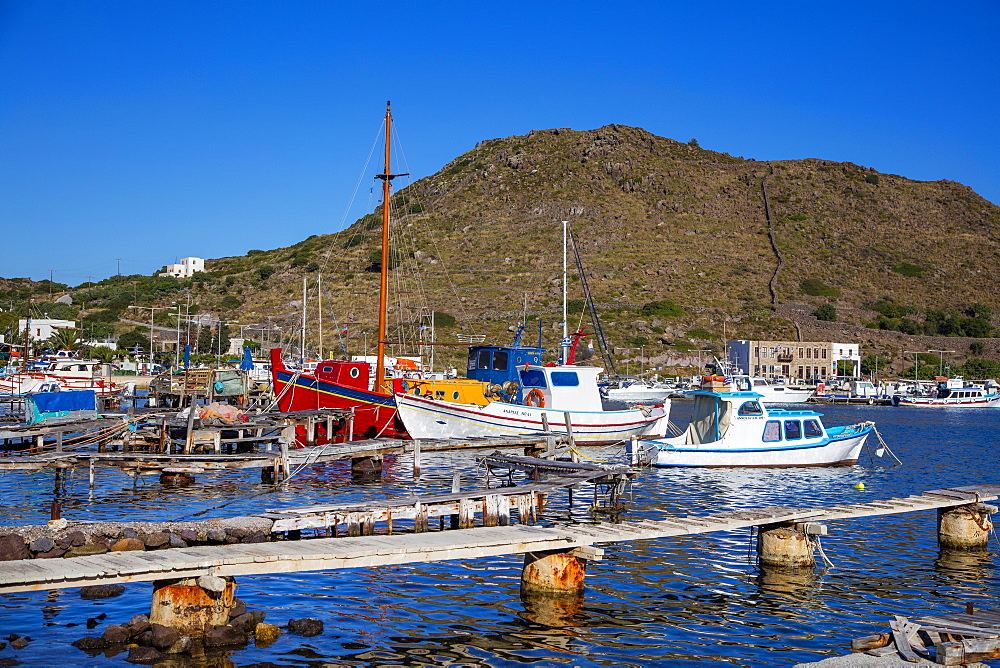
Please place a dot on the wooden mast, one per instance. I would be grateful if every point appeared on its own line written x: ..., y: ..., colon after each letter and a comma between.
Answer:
x: 387, y: 176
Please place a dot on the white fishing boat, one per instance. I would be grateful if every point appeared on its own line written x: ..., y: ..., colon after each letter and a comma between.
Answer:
x: 550, y: 395
x: 735, y: 429
x: 951, y: 393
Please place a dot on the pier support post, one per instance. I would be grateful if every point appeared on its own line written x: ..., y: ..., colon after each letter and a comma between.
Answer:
x: 783, y: 547
x: 416, y: 458
x: 557, y: 571
x: 366, y: 468
x: 965, y: 527
x: 192, y: 605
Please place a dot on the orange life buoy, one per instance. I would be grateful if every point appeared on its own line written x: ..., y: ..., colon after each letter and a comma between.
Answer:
x: 535, y: 398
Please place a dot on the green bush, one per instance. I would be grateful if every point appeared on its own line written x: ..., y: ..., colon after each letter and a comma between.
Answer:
x: 575, y: 305
x: 443, y: 319
x: 265, y: 272
x: 229, y: 302
x: 908, y: 269
x: 699, y: 333
x: 662, y: 309
x: 826, y: 312
x: 816, y: 288
x: 872, y: 179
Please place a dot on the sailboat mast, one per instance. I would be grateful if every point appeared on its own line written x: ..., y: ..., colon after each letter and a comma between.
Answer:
x: 383, y: 287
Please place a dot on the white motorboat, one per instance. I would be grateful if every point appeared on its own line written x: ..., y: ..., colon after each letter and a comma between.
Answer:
x: 951, y: 393
x: 550, y: 395
x: 735, y: 429
x: 772, y: 393
x: 635, y: 391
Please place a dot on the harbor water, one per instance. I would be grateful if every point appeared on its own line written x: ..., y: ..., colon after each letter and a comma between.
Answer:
x: 693, y: 600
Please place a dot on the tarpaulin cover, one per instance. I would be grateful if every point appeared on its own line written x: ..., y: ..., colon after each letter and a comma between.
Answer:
x: 50, y: 402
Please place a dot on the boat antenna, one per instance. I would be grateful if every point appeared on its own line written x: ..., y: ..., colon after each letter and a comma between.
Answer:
x: 383, y: 289
x: 602, y: 343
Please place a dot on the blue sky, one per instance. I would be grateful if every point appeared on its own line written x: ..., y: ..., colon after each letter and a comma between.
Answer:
x: 153, y: 130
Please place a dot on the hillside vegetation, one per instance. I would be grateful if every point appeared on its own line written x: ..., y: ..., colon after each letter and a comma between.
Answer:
x: 656, y: 221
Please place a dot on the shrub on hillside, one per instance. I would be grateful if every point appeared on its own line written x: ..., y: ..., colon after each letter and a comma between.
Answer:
x: 817, y: 288
x: 908, y: 269
x: 663, y: 309
x: 826, y: 312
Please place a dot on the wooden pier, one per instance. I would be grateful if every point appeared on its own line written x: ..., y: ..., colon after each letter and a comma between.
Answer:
x: 569, y: 541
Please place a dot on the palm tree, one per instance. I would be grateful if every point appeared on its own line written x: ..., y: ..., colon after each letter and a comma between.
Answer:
x: 64, y: 338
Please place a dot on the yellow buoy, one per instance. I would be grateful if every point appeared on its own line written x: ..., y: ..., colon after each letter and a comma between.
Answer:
x: 860, y: 487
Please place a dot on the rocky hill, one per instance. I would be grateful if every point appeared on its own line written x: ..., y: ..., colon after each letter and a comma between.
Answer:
x: 746, y: 248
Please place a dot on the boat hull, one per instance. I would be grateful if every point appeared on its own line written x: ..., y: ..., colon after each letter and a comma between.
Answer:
x: 841, y: 447
x: 989, y: 401
x: 430, y: 418
x: 374, y: 413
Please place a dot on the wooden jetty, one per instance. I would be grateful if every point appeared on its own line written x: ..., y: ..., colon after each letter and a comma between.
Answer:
x: 562, y: 543
x: 950, y: 640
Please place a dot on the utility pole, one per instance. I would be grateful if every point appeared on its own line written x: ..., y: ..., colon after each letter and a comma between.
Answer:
x: 916, y: 363
x: 941, y: 359
x: 151, y: 309
x: 119, y: 265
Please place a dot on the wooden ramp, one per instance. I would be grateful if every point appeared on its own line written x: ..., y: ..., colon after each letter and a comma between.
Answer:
x: 381, y: 550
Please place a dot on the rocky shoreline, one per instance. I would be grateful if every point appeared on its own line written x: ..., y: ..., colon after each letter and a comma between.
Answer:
x: 60, y: 539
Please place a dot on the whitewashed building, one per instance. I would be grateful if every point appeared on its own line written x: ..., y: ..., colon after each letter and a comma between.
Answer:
x: 186, y: 268
x: 42, y: 328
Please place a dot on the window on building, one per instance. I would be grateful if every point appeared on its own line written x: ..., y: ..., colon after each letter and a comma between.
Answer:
x: 800, y: 352
x: 756, y: 351
x: 824, y: 353
x: 800, y: 372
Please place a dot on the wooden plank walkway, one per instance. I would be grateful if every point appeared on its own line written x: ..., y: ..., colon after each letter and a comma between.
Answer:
x: 381, y: 550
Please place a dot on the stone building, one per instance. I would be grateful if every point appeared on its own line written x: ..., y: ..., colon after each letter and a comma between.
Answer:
x: 800, y: 361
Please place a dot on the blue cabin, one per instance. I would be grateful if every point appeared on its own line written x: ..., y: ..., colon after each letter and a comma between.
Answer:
x: 498, y: 364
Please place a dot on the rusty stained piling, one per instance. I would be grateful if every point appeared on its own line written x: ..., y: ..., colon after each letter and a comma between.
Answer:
x: 192, y: 606
x: 783, y: 547
x: 965, y: 527
x: 557, y: 572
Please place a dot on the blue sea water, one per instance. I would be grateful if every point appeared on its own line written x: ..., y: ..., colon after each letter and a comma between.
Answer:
x: 693, y: 600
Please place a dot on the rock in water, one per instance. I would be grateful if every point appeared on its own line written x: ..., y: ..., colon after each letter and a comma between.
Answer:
x: 222, y: 636
x: 101, y: 591
x: 307, y: 627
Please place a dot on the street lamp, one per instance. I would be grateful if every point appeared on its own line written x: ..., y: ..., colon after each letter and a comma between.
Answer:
x: 151, y: 309
x: 940, y: 359
x: 915, y: 364
x: 700, y: 365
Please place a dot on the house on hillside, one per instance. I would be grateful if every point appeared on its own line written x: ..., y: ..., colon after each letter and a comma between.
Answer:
x: 800, y: 361
x: 43, y: 328
x: 186, y: 268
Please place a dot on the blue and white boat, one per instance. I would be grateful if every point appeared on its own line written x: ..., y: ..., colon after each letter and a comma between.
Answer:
x: 736, y: 429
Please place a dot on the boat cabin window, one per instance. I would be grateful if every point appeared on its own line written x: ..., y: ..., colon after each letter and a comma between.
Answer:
x: 759, y: 381
x: 500, y: 360
x: 565, y: 379
x: 751, y: 408
x: 327, y: 369
x: 484, y: 359
x: 772, y: 431
x: 533, y: 378
x: 812, y: 429
x: 793, y: 430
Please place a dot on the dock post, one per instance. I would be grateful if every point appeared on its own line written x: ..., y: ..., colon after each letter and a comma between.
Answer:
x: 59, y: 441
x: 92, y: 473
x: 366, y: 468
x: 350, y: 426
x: 569, y: 436
x: 191, y: 606
x: 783, y: 547
x: 556, y: 571
x: 416, y: 458
x: 192, y: 411
x: 965, y: 527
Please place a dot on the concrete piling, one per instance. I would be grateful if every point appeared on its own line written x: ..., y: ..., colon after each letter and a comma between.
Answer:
x: 192, y: 605
x: 965, y: 527
x: 783, y: 547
